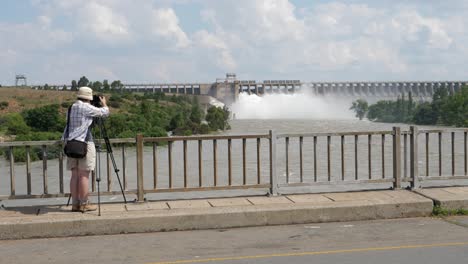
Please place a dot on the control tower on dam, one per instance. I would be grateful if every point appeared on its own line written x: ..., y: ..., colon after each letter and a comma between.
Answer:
x: 227, y: 89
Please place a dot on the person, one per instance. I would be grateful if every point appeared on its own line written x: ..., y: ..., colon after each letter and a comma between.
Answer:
x: 78, y: 128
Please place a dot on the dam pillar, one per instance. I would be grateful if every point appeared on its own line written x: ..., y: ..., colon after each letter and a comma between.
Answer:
x: 360, y: 89
x: 392, y: 89
x: 452, y: 87
x: 347, y: 89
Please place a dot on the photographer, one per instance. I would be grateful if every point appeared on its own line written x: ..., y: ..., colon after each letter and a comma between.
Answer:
x: 79, y: 119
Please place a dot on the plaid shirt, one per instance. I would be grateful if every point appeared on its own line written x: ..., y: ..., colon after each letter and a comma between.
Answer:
x: 81, y: 117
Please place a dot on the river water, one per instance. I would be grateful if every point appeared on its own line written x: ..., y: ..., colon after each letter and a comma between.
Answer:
x: 314, y: 123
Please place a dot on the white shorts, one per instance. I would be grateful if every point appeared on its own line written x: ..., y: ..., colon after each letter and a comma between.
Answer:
x: 87, y: 163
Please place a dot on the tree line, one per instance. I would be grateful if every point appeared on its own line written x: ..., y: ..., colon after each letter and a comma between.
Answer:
x: 449, y: 109
x: 105, y: 86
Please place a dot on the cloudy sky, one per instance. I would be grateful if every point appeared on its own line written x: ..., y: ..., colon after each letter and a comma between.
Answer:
x: 55, y: 41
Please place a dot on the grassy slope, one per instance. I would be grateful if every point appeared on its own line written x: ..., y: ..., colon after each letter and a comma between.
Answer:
x: 26, y: 98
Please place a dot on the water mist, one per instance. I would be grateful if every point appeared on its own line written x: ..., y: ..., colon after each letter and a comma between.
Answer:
x: 291, y: 106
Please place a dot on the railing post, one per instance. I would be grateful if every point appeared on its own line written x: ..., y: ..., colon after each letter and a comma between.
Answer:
x: 12, y: 173
x: 396, y: 158
x: 139, y: 161
x: 414, y: 172
x: 273, y: 175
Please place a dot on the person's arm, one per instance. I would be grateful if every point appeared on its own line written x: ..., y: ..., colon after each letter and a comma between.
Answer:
x: 103, y: 101
x: 93, y: 111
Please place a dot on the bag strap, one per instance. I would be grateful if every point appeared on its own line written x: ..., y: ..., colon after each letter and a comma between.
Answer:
x: 68, y: 122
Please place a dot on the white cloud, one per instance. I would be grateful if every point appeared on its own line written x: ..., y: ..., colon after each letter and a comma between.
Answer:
x: 215, y: 43
x: 104, y: 22
x: 166, y: 24
x: 32, y: 36
x: 412, y: 26
x: 313, y: 40
x: 44, y: 21
x: 104, y: 73
x: 271, y: 20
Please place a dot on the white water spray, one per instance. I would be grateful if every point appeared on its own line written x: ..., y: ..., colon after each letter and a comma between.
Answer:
x: 291, y: 106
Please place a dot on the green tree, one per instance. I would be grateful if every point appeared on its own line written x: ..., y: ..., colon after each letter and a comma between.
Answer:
x: 105, y: 85
x: 16, y: 125
x: 410, y: 102
x: 44, y: 118
x: 196, y: 114
x: 117, y: 123
x: 425, y: 114
x: 97, y: 86
x: 360, y: 107
x: 439, y: 98
x: 398, y: 111
x: 74, y: 86
x: 382, y: 111
x: 454, y: 109
x: 116, y: 85
x: 155, y: 131
x: 83, y: 81
x: 217, y: 118
x: 177, y: 121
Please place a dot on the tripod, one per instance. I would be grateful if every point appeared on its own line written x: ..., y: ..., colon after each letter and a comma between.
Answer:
x: 103, y: 135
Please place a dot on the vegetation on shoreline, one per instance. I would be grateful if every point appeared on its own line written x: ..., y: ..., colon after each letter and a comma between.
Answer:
x: 444, y: 109
x: 151, y: 114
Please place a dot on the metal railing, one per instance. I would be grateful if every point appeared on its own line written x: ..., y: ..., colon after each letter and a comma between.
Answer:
x: 342, y: 160
x: 442, y: 169
x: 200, y: 186
x: 150, y: 165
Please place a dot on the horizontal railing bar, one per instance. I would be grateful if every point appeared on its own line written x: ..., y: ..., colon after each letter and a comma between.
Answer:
x: 59, y: 142
x: 441, y: 178
x: 389, y: 132
x: 422, y: 131
x: 213, y: 188
x: 117, y: 140
x: 30, y: 143
x: 176, y: 138
x: 298, y: 184
x: 180, y: 138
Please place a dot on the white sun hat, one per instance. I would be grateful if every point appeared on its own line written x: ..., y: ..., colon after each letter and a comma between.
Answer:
x: 85, y: 93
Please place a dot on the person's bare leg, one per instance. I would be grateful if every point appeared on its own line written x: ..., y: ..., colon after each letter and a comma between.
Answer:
x: 74, y: 186
x: 83, y: 185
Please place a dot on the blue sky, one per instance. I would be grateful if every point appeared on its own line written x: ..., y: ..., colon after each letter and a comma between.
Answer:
x: 56, y: 41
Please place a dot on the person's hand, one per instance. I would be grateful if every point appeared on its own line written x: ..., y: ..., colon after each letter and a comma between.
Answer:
x: 103, y: 100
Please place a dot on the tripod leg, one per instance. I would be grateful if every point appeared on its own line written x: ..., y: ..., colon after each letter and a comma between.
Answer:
x: 99, y: 198
x: 69, y: 198
x: 98, y: 176
x: 109, y: 150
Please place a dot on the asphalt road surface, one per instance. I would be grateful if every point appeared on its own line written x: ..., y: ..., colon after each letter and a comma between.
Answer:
x: 415, y: 241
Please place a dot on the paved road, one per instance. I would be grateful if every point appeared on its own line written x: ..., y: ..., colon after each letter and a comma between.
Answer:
x: 415, y: 241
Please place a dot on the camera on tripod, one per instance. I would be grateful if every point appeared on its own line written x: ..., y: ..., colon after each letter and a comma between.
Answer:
x: 97, y: 100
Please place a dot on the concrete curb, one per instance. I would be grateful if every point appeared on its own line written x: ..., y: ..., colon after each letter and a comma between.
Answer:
x: 449, y: 198
x: 209, y: 218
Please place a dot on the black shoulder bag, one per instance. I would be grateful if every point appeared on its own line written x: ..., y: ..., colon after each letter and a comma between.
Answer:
x: 74, y: 148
